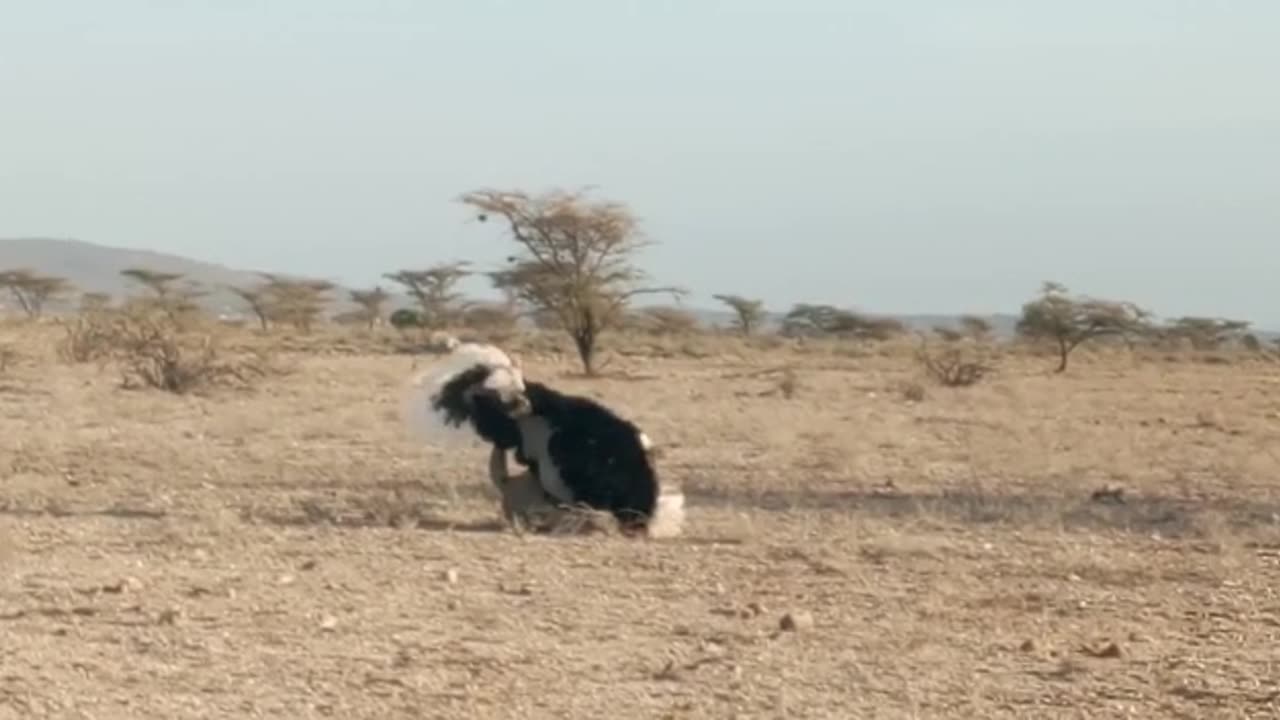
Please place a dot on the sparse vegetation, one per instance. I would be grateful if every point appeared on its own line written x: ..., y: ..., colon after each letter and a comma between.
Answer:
x: 955, y: 364
x: 277, y: 300
x: 779, y: 438
x: 805, y: 320
x: 157, y: 347
x: 1204, y: 333
x: 662, y: 320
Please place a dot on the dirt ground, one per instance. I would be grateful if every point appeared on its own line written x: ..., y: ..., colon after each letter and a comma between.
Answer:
x: 290, y: 552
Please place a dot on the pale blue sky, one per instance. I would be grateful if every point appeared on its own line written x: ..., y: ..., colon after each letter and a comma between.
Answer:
x: 898, y: 156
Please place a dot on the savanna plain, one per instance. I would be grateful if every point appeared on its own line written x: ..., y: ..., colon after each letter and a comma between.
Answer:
x: 860, y: 542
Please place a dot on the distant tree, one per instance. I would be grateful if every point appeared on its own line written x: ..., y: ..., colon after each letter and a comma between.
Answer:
x: 279, y: 300
x: 1070, y: 322
x: 665, y: 320
x: 371, y: 303
x: 161, y: 284
x: 977, y: 328
x: 256, y: 299
x: 970, y: 326
x: 435, y: 291
x: 94, y: 302
x: 1205, y: 333
x: 824, y: 320
x: 576, y: 262
x: 748, y: 314
x: 299, y: 303
x: 494, y: 317
x: 947, y: 333
x: 33, y: 291
x: 179, y: 301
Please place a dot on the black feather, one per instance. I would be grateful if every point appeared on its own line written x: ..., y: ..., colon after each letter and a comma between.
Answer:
x: 599, y: 455
x: 484, y: 412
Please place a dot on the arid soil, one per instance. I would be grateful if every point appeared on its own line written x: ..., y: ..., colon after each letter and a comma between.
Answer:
x: 290, y: 552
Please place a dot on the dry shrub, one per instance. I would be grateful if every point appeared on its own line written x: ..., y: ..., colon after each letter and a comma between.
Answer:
x: 87, y: 338
x: 8, y: 357
x: 582, y: 520
x: 157, y: 348
x: 957, y: 364
x: 788, y: 383
x: 912, y: 391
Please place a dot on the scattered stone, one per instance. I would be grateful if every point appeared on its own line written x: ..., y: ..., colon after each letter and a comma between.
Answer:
x: 308, y: 565
x: 129, y: 584
x: 286, y: 579
x: 328, y: 623
x: 451, y: 576
x: 1109, y: 650
x: 1027, y: 646
x: 1109, y: 494
x: 796, y: 621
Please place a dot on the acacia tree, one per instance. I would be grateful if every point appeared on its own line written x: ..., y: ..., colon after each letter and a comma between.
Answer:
x: 1070, y: 322
x: 32, y: 290
x: 372, y: 304
x: 1206, y: 333
x: 164, y: 292
x: 277, y: 299
x: 256, y: 299
x: 159, y: 283
x: 435, y: 291
x: 975, y: 328
x: 299, y: 303
x: 825, y: 320
x: 748, y: 314
x: 576, y: 262
x: 664, y: 320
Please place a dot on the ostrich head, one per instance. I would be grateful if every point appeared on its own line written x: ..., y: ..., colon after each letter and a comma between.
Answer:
x: 483, y: 378
x: 474, y: 383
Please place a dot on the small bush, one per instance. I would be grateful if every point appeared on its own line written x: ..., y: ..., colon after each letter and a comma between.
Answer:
x: 86, y: 338
x: 158, y: 349
x: 955, y: 365
x: 8, y: 356
x: 912, y: 391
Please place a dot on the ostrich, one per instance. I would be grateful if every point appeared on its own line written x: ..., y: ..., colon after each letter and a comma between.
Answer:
x: 580, y: 452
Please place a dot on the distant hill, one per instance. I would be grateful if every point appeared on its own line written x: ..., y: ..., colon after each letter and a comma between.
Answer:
x: 96, y: 268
